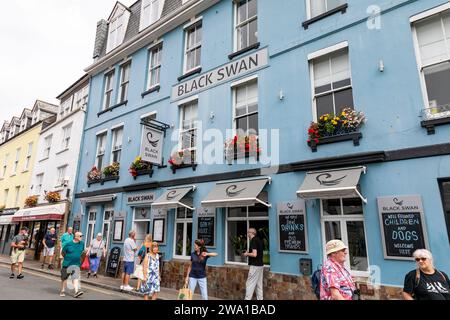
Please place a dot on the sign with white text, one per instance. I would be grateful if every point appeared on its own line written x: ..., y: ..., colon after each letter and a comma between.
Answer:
x: 152, y: 143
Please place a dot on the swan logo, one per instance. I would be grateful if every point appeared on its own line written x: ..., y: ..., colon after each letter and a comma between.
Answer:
x: 233, y: 192
x: 153, y: 143
x: 290, y: 205
x: 325, y: 180
x: 172, y: 195
x: 398, y: 202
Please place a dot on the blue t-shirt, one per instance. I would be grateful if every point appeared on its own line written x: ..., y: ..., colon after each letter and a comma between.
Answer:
x: 72, y: 254
x: 50, y: 240
x: 198, y: 266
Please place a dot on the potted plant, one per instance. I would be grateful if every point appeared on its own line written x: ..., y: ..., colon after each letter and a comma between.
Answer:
x: 182, y: 158
x: 52, y: 197
x: 31, y: 201
x: 242, y: 145
x: 139, y: 165
x: 240, y: 245
x: 112, y: 170
x: 94, y: 175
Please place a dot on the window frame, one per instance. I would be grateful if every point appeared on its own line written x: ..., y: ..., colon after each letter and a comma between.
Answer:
x: 61, y: 174
x: 16, y: 201
x: 48, y: 140
x: 150, y: 68
x: 16, y: 162
x: 114, y: 139
x: 441, y: 182
x: 39, y: 183
x: 101, y: 137
x: 108, y: 92
x: 309, y: 9
x: 5, y: 165
x: 185, y: 221
x: 194, y: 128
x: 193, y: 26
x: 234, y: 87
x: 65, y: 142
x: 110, y: 210
x: 124, y: 85
x: 28, y: 158
x: 90, y: 224
x: 243, y: 23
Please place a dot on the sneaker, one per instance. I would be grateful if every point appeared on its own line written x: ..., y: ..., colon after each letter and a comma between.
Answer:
x: 42, y: 266
x: 12, y: 276
x: 62, y: 294
x: 128, y: 288
x: 78, y: 293
x: 50, y: 267
x: 121, y: 287
x: 20, y: 276
x: 88, y: 275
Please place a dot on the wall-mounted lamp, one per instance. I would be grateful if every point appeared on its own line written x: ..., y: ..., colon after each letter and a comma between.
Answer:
x: 212, y: 115
x: 381, y: 66
x: 281, y: 95
x: 129, y: 139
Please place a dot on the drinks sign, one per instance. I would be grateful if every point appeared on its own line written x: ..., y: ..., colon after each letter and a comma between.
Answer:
x: 292, y: 226
x: 152, y: 145
x: 403, y: 226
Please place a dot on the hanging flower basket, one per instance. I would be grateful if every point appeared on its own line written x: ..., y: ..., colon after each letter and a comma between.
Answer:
x: 94, y: 175
x: 182, y: 159
x: 112, y: 170
x: 242, y: 146
x: 52, y: 197
x: 138, y: 166
x: 31, y: 201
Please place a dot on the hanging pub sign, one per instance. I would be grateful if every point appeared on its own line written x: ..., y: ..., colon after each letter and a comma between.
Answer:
x: 152, y: 143
x: 206, y: 225
x: 402, y: 226
x: 292, y: 226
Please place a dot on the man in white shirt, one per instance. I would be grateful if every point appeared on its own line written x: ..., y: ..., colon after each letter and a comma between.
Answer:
x: 129, y: 250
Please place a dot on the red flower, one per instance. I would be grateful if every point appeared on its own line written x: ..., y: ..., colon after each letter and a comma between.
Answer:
x: 172, y: 162
x: 235, y: 139
x: 247, y: 146
x: 316, y: 140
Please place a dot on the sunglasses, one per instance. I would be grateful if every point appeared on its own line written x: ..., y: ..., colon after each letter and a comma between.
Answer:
x: 420, y: 259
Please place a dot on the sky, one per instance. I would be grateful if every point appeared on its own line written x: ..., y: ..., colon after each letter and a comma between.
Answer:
x: 44, y: 47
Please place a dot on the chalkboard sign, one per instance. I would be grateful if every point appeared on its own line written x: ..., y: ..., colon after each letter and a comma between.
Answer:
x: 402, y: 223
x: 113, y: 262
x: 206, y: 230
x: 292, y: 227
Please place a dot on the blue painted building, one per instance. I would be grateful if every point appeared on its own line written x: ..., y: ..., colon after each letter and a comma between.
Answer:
x: 198, y: 72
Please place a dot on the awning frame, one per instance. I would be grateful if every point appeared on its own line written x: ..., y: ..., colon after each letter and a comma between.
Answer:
x: 177, y: 203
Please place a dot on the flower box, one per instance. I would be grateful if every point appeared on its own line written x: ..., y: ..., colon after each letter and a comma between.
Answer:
x: 182, y: 159
x: 52, y: 197
x: 139, y: 168
x: 31, y: 201
x: 242, y: 147
x: 355, y: 136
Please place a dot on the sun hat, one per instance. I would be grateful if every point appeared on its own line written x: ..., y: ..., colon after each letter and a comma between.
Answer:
x: 334, y: 245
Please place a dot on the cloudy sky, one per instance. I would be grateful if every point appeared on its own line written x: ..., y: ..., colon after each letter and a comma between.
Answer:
x: 45, y: 45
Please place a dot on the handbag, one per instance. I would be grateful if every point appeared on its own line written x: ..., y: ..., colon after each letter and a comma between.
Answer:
x: 185, y: 293
x: 85, y: 265
x: 139, y: 272
x: 94, y: 255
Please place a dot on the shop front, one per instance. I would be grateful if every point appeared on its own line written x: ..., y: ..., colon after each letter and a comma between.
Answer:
x: 39, y: 220
x: 140, y: 204
x: 8, y: 229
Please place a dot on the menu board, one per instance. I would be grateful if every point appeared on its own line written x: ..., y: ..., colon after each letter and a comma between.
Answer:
x: 292, y: 226
x: 206, y: 230
x: 402, y: 223
x: 113, y: 262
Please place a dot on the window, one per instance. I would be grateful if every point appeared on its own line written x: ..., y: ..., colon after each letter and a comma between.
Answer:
x: 47, y: 147
x: 246, y: 108
x: 28, y: 159
x: 154, y: 68
x: 433, y: 40
x: 66, y: 106
x: 318, y: 7
x: 344, y: 219
x: 81, y: 98
x: 106, y: 228
x: 246, y: 24
x: 5, y: 165
x: 151, y: 12
x: 90, y: 228
x: 16, y: 202
x: 16, y: 162
x: 61, y: 176
x: 5, y: 197
x: 445, y: 194
x: 109, y: 89
x: 66, y: 137
x: 183, y: 233
x: 239, y: 220
x: 332, y: 83
x: 188, y: 134
x: 193, y: 47
x: 101, y: 142
x: 117, y: 144
x: 117, y: 28
x: 124, y: 81
x: 39, y: 179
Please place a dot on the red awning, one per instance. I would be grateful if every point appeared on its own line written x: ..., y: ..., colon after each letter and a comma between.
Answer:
x: 52, y: 212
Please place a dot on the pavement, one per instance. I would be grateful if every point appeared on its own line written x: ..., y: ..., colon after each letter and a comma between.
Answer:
x: 108, y: 284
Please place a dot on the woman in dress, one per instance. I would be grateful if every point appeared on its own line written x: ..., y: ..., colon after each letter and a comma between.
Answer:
x: 151, y: 284
x: 143, y: 251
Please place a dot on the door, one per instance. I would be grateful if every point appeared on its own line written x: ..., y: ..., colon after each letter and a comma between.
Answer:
x: 90, y: 228
x: 141, y: 224
x: 39, y: 246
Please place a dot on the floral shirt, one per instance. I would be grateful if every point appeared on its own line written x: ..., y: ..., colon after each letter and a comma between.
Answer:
x: 336, y: 276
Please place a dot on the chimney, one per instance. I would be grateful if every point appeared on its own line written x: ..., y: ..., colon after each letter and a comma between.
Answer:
x: 100, y: 37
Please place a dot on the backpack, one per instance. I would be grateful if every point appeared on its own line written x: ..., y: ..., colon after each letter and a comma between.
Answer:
x: 315, y: 282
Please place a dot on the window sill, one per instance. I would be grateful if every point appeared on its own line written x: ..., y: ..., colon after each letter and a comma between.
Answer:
x: 110, y: 109
x: 64, y: 150
x: 190, y: 73
x: 431, y: 124
x: 342, y: 9
x: 13, y: 175
x: 102, y: 181
x: 25, y: 171
x: 355, y: 136
x: 152, y: 89
x: 183, y: 166
x: 143, y: 173
x: 242, y: 51
x: 43, y: 159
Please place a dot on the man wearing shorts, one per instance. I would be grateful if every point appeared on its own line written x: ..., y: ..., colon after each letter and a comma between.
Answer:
x: 49, y: 247
x: 129, y: 249
x: 72, y: 253
x: 19, y: 244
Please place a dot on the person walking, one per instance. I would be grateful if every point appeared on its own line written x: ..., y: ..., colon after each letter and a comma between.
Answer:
x: 426, y: 282
x: 49, y: 247
x: 255, y: 261
x: 336, y: 282
x: 19, y: 244
x: 73, y: 255
x: 143, y: 251
x: 66, y: 238
x: 95, y: 253
x: 129, y: 248
x: 151, y: 284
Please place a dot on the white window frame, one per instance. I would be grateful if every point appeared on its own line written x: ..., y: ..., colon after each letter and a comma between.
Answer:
x: 194, y: 128
x: 16, y: 202
x: 421, y: 67
x: 61, y: 175
x: 5, y: 165
x: 234, y: 87
x: 16, y: 162
x: 309, y: 9
x: 343, y: 219
x: 142, y: 220
x: 114, y: 145
x: 243, y: 23
x: 28, y: 158
x: 198, y: 45
x: 124, y: 82
x: 110, y: 210
x: 185, y: 222
x: 39, y: 181
x: 81, y: 98
x: 320, y: 54
x: 90, y: 226
x: 6, y: 196
x: 100, y: 152
x: 247, y: 219
x: 47, y: 146
x: 150, y: 13
x: 108, y: 92
x: 154, y: 68
x: 65, y: 142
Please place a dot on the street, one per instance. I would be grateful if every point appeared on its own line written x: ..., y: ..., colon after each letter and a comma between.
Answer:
x: 36, y: 286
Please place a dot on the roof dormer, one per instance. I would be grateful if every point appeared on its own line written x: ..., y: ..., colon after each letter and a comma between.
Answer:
x: 151, y: 11
x: 117, y: 26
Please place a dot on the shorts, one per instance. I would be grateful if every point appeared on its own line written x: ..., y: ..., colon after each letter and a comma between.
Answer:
x: 48, y: 252
x: 73, y: 271
x: 17, y: 256
x: 128, y: 267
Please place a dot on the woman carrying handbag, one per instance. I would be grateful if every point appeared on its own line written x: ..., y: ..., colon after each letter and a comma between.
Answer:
x: 95, y: 252
x: 143, y: 251
x: 151, y: 284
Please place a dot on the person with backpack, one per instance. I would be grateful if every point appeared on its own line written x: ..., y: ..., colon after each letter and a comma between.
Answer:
x: 426, y: 282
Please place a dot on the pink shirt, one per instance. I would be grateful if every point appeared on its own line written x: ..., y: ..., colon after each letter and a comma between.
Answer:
x: 336, y: 276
